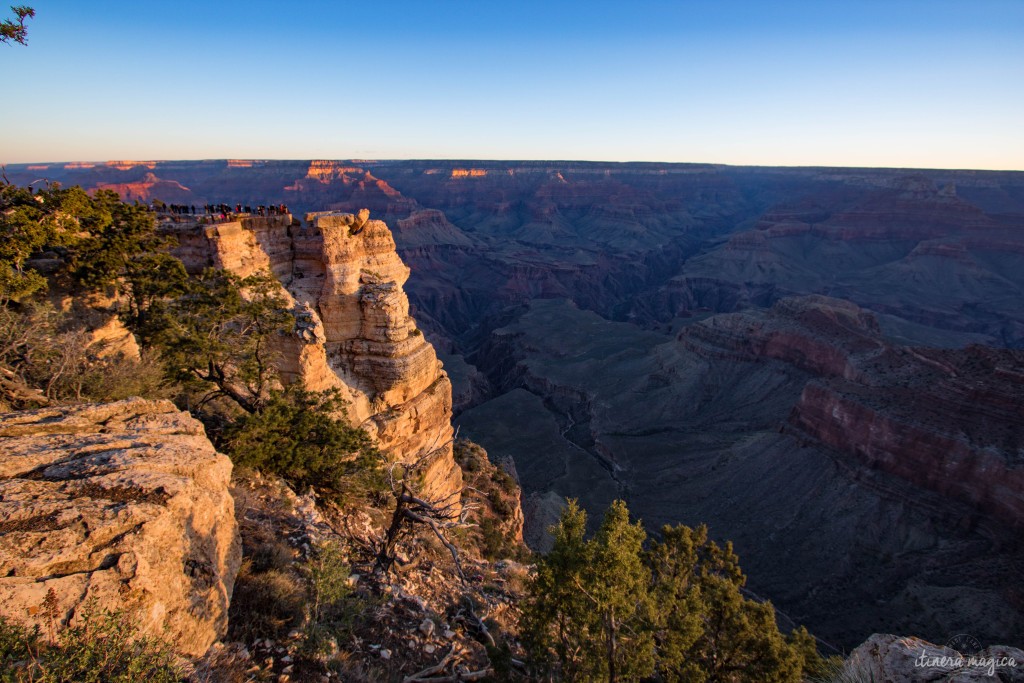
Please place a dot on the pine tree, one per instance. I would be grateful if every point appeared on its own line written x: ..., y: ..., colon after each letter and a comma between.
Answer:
x: 676, y: 621
x: 299, y: 435
x: 557, y: 622
x: 732, y: 638
x: 590, y: 599
x: 605, y: 609
x: 616, y: 586
x: 14, y: 30
x: 220, y: 332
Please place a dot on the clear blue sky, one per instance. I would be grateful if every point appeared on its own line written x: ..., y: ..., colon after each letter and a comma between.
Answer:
x: 928, y: 83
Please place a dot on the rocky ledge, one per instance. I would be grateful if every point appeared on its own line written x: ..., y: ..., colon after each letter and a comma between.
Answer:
x: 119, y: 506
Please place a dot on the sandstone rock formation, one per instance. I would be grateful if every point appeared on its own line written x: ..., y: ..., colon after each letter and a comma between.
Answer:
x: 884, y: 658
x: 354, y: 331
x: 712, y: 427
x: 122, y: 506
x: 148, y: 188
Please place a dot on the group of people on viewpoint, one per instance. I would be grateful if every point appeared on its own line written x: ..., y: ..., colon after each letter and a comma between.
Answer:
x: 219, y: 211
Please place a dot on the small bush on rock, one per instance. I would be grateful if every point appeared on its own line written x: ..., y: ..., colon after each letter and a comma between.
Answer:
x: 331, y: 608
x: 105, y: 647
x: 299, y: 436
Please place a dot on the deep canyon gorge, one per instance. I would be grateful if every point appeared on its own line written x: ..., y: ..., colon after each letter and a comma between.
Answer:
x: 826, y: 366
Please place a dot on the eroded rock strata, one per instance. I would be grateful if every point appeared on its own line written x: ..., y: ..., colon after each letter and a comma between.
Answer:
x: 119, y: 506
x: 858, y: 504
x: 345, y: 280
x: 906, y: 514
x: 946, y: 420
x: 885, y: 657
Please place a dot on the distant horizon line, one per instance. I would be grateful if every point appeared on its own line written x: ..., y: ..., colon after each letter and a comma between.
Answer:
x: 443, y: 160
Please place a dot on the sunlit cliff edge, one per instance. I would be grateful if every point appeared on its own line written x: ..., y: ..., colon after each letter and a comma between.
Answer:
x: 353, y: 329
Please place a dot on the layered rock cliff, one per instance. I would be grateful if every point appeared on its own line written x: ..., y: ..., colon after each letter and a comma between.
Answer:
x: 948, y: 421
x: 717, y: 424
x: 353, y: 332
x: 122, y: 505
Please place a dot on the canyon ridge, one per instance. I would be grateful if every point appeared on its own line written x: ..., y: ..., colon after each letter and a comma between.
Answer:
x: 824, y: 365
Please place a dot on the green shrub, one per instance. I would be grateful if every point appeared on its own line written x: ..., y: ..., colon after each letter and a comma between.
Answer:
x: 499, y: 504
x: 273, y: 554
x: 299, y: 436
x: 494, y: 543
x: 505, y: 481
x: 104, y: 647
x: 331, y: 607
x: 17, y: 647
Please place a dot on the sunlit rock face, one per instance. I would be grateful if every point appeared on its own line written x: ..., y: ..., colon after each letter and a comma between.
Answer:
x: 119, y: 506
x: 148, y: 188
x: 354, y: 332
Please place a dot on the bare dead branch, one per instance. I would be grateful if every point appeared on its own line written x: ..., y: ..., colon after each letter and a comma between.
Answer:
x: 413, y: 509
x: 431, y: 670
x: 476, y: 621
x: 440, y: 536
x: 20, y: 392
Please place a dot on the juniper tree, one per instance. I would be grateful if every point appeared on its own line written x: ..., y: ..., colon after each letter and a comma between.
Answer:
x: 303, y: 437
x: 219, y: 333
x: 14, y: 29
x: 98, y: 241
x: 605, y: 609
x: 616, y: 587
x: 53, y: 218
x: 586, y: 615
x: 677, y: 622
x: 556, y: 620
x: 707, y: 630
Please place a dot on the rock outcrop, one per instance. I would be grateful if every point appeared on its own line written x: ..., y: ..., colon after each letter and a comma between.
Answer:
x: 149, y: 187
x: 354, y: 332
x: 119, y: 506
x: 946, y: 420
x: 884, y: 658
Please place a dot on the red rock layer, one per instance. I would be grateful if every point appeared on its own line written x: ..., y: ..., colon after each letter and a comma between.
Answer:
x: 946, y: 420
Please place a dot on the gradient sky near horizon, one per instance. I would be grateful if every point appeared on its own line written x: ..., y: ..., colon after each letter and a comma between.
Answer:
x: 907, y: 83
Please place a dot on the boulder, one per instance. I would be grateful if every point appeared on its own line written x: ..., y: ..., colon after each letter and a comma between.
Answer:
x: 117, y: 506
x: 887, y: 658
